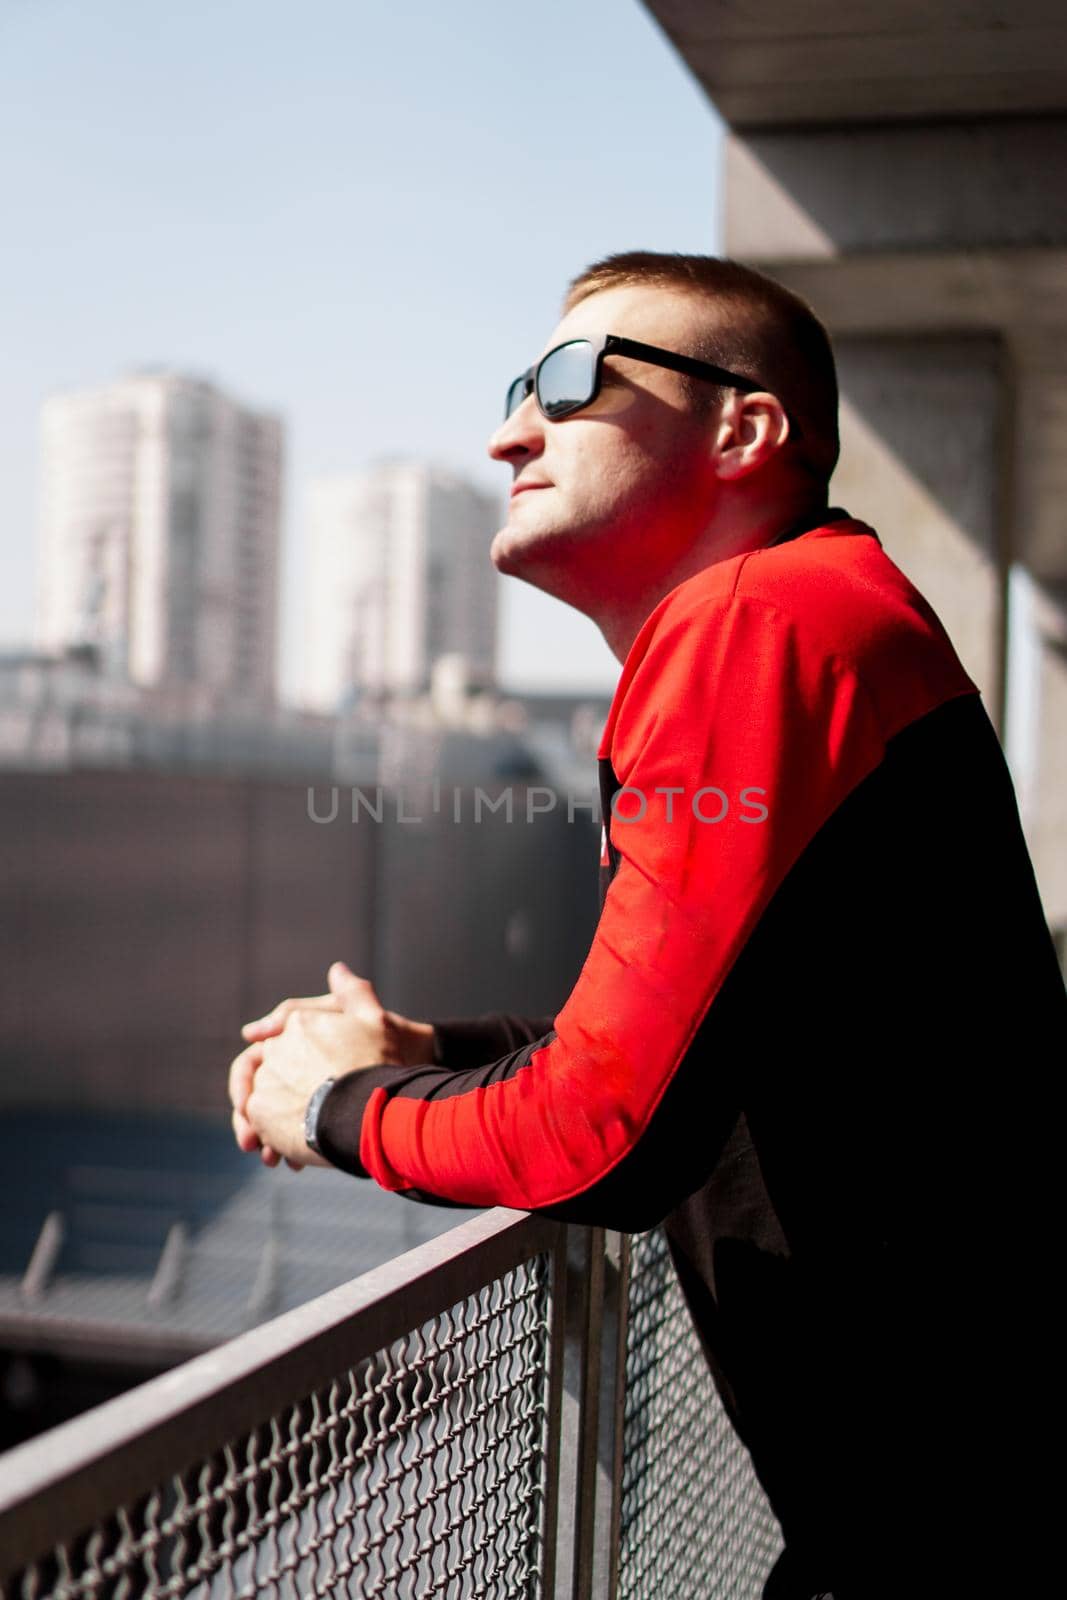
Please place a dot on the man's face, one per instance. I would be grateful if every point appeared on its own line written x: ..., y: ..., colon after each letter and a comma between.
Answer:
x: 628, y: 480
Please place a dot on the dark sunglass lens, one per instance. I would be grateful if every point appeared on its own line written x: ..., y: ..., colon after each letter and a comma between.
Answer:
x: 517, y: 393
x: 565, y: 380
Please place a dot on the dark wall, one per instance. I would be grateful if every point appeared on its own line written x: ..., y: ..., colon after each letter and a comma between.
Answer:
x: 144, y: 916
x: 487, y: 914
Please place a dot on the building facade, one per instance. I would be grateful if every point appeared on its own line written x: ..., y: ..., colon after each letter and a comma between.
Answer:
x: 159, y: 533
x: 399, y: 576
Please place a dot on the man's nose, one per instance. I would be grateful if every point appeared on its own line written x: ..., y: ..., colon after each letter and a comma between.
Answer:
x: 520, y: 434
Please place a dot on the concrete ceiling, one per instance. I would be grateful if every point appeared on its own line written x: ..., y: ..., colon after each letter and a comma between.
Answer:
x: 767, y: 63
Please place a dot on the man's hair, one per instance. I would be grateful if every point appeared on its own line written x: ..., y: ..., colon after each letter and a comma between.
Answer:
x: 754, y: 327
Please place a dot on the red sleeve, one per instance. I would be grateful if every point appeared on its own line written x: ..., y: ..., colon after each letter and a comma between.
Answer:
x: 733, y: 701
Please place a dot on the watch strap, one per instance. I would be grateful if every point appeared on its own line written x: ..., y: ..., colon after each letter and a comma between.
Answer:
x: 311, y: 1115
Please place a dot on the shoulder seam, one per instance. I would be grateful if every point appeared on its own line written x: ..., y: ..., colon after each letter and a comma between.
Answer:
x: 741, y: 565
x: 836, y: 656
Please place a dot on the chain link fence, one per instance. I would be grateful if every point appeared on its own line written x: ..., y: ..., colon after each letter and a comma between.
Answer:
x: 419, y: 1473
x: 693, y: 1521
x: 429, y: 1432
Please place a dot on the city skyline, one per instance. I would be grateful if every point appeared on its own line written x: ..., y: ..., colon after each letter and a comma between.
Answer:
x: 158, y: 540
x: 157, y: 551
x: 397, y: 578
x: 345, y: 225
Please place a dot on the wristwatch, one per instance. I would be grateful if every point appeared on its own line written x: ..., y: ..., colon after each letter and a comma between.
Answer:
x: 311, y: 1115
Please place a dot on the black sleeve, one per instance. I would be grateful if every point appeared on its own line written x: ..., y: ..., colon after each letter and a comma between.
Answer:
x: 472, y: 1041
x: 459, y: 1043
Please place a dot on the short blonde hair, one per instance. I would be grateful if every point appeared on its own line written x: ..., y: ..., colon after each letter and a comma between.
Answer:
x: 755, y: 327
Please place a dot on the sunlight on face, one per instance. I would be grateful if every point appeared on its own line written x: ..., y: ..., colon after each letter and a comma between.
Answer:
x: 625, y: 479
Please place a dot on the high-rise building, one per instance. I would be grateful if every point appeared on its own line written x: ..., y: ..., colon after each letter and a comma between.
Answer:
x: 159, y: 536
x: 398, y: 576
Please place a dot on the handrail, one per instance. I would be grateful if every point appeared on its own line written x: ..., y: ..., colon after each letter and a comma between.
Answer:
x: 517, y: 1407
x: 55, y: 1486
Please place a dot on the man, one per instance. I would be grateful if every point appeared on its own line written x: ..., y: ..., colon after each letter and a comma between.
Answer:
x: 819, y: 929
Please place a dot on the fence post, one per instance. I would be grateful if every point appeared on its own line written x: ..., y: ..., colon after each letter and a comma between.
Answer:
x: 557, y: 1339
x: 618, y: 1399
x: 582, y: 1292
x: 588, y: 1466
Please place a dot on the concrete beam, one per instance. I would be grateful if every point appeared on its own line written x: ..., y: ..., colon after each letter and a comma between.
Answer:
x: 804, y: 62
x: 943, y: 291
x: 922, y: 186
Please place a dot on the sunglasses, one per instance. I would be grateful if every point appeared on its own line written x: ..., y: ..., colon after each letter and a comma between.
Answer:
x: 567, y: 378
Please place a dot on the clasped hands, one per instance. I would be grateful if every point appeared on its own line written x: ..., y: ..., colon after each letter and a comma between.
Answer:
x: 300, y: 1043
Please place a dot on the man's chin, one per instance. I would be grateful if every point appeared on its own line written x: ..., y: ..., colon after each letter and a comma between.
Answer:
x: 507, y: 553
x: 538, y: 560
x: 528, y: 537
x: 539, y: 551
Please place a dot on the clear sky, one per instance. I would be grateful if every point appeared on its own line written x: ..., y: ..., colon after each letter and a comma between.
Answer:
x: 356, y: 215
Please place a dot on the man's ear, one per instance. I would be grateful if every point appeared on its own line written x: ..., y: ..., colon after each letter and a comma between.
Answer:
x: 751, y: 429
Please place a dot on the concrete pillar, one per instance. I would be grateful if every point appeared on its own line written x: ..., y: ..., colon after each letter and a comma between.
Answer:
x: 936, y: 253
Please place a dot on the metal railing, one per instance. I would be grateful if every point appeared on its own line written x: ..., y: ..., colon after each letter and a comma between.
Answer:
x: 516, y: 1408
x: 692, y: 1520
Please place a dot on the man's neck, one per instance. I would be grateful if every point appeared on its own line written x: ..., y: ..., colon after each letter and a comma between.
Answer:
x: 622, y: 624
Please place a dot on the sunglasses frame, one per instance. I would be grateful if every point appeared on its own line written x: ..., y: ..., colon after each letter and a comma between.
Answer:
x: 607, y: 344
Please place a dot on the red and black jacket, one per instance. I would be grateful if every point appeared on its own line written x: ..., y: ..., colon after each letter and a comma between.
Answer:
x: 819, y: 926
x: 833, y: 770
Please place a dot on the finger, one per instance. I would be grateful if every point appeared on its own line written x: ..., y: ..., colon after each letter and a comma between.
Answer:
x: 350, y: 991
x: 296, y: 1166
x: 269, y: 1157
x: 243, y: 1069
x: 275, y: 1020
x: 246, y: 1136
